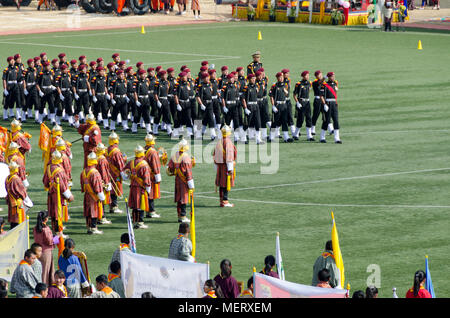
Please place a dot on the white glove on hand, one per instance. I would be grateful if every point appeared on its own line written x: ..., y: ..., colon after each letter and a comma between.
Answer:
x: 158, y: 103
x: 53, y: 87
x: 109, y: 187
x: 138, y: 103
x: 86, y: 138
x: 179, y: 108
x: 94, y: 99
x: 61, y: 97
x: 25, y: 92
x: 148, y: 189
x: 158, y: 178
x: 128, y: 100
x: 190, y: 184
x: 101, y: 196
x: 76, y: 96
x: 113, y: 101
x: 6, y: 92
x: 108, y: 97
x: 325, y: 107
x: 225, y: 110
x: 299, y: 105
x: 124, y: 175
x: 247, y: 111
x: 203, y: 107
x: 41, y: 94
x: 90, y: 93
x: 274, y: 109
x: 26, y: 184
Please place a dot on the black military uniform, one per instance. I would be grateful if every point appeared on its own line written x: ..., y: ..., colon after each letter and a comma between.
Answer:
x: 263, y: 105
x: 204, y: 93
x: 330, y: 97
x: 230, y: 94
x: 58, y: 103
x: 63, y: 84
x: 171, y: 99
x: 119, y: 101
x: 99, y: 85
x: 20, y: 83
x: 279, y: 93
x: 142, y: 104
x: 287, y: 81
x: 131, y: 81
x: 151, y: 95
x: 162, y: 89
x: 183, y: 92
x: 12, y: 77
x: 317, y: 105
x: 110, y: 78
x: 81, y: 88
x: 254, y: 66
x: 242, y: 81
x: 32, y: 96
x: 217, y: 102
x: 250, y: 96
x: 301, y: 94
x: 45, y: 83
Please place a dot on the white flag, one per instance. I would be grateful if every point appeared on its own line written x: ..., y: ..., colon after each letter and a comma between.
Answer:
x: 131, y: 232
x: 278, y: 258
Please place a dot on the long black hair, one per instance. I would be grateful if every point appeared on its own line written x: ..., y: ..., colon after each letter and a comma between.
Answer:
x: 211, y: 283
x: 225, y: 268
x: 42, y: 215
x: 68, y: 244
x: 419, y: 276
x: 269, y: 262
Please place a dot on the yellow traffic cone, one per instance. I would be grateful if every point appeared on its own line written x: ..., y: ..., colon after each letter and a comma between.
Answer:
x: 259, y: 35
x: 142, y: 30
x: 419, y: 46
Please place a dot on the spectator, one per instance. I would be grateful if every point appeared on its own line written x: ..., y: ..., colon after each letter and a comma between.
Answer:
x: 3, y: 288
x: 181, y: 246
x: 103, y: 290
x: 147, y: 295
x: 371, y: 292
x: 181, y: 3
x: 41, y: 291
x: 226, y: 282
x: 326, y: 260
x: 37, y: 265
x: 70, y: 265
x: 195, y: 6
x: 43, y: 235
x: 212, y: 290
x: 58, y: 290
x: 115, y: 280
x: 2, y: 223
x: 269, y: 263
x: 248, y: 293
x: 24, y: 281
x: 324, y: 278
x: 124, y: 246
x: 387, y: 14
x: 358, y: 294
x: 418, y: 291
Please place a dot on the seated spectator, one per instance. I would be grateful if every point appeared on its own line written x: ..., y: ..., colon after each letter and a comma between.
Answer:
x: 228, y: 284
x: 24, y: 280
x: 371, y: 292
x: 324, y: 278
x: 418, y: 290
x: 115, y: 280
x: 269, y: 263
x: 212, y: 290
x: 147, y: 295
x: 41, y: 291
x: 358, y: 294
x: 58, y: 290
x: 103, y: 290
x: 3, y: 288
x: 248, y: 293
x: 37, y: 265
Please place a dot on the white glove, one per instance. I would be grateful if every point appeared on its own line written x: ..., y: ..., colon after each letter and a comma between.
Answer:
x: 94, y: 99
x: 28, y: 203
x: 76, y: 96
x: 41, y: 94
x: 247, y: 111
x: 6, y: 92
x: 230, y: 166
x: 61, y: 97
x: 70, y: 184
x: 225, y: 110
x: 148, y: 189
x: 203, y: 107
x: 86, y: 138
x: 53, y: 87
x: 85, y: 284
x: 191, y: 259
x: 138, y: 104
x: 123, y: 175
x: 25, y: 92
x: 109, y: 187
x: 179, y: 108
x: 325, y: 107
x: 190, y: 184
x: 90, y: 93
x: 158, y: 103
x: 101, y: 196
x: 108, y: 97
x: 128, y: 100
x: 274, y: 109
x: 299, y: 105
x: 26, y: 184
x: 158, y: 178
x: 67, y: 194
x: 113, y: 101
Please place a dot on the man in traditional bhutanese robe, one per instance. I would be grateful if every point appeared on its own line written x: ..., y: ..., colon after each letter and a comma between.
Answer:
x: 92, y: 187
x: 103, y: 169
x: 56, y: 135
x: 152, y: 157
x: 180, y: 165
x: 24, y: 280
x: 140, y: 187
x: 103, y: 290
x: 91, y: 133
x: 116, y: 164
x: 16, y: 194
x: 57, y: 203
x: 224, y: 157
x: 15, y: 155
x: 61, y: 146
x: 20, y: 138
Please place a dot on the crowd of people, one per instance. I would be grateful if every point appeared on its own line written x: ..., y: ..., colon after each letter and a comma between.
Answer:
x: 162, y: 100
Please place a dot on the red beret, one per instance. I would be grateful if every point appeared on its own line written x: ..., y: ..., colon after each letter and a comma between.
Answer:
x: 46, y: 63
x: 92, y: 63
x: 211, y: 71
x: 63, y: 67
x: 240, y: 68
x: 285, y: 70
x: 250, y: 76
x: 73, y: 62
x: 161, y: 73
x: 128, y: 69
x: 119, y: 72
x: 100, y: 68
x: 187, y: 70
x: 203, y: 69
x: 16, y: 56
x: 122, y: 63
x: 230, y: 75
x: 30, y: 60
x: 170, y: 70
x: 110, y: 64
x: 115, y: 55
x: 150, y: 69
x: 258, y: 72
x: 9, y: 58
x: 261, y: 69
x: 317, y: 72
x: 304, y: 73
x: 329, y: 74
x: 82, y: 57
x: 205, y: 63
x: 61, y: 55
x: 82, y: 66
x: 37, y: 59
x: 43, y: 54
x: 233, y: 73
x: 224, y: 68
x: 158, y: 68
x: 54, y: 61
x: 278, y: 74
x: 99, y: 59
x: 182, y: 74
x: 204, y: 75
x: 142, y: 72
x: 138, y: 64
x: 183, y: 67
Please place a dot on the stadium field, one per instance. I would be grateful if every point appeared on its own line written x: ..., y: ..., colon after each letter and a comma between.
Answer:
x: 387, y: 184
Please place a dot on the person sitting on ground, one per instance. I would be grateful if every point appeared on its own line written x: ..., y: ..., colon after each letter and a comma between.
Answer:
x: 124, y: 246
x: 103, y: 290
x: 212, y: 290
x: 24, y: 280
x: 358, y: 294
x: 228, y: 284
x: 41, y: 291
x: 371, y: 292
x: 324, y: 278
x: 418, y: 290
x: 3, y: 288
x: 58, y: 289
x: 248, y: 293
x: 37, y: 265
x: 115, y: 280
x: 269, y: 263
x: 147, y: 295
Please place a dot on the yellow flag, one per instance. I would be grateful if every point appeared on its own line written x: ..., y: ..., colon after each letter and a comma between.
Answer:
x: 191, y: 195
x: 337, y: 252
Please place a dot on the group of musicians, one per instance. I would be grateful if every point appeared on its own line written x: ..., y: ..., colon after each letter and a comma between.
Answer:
x: 118, y: 95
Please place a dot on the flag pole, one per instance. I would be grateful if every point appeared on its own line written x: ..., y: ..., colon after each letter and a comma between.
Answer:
x: 28, y: 230
x: 193, y: 225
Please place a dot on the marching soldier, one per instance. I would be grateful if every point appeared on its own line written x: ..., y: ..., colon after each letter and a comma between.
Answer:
x: 13, y: 154
x: 180, y: 166
x: 110, y: 78
x: 16, y: 196
x: 56, y: 183
x: 46, y: 88
x: 92, y: 187
x: 30, y: 91
x: 204, y: 99
x: 171, y: 97
x: 153, y: 160
x: 73, y: 69
x: 83, y: 61
x: 230, y: 93
x: 243, y: 121
x: 142, y: 101
x: 11, y: 90
x: 223, y: 77
x: 215, y: 99
x: 92, y: 135
x: 162, y: 89
x: 261, y: 83
x: 38, y: 64
x: 116, y: 59
x: 118, y: 95
x: 57, y: 101
x: 117, y: 163
x: 62, y: 59
x: 256, y: 64
x: 287, y: 81
x: 21, y: 138
x: 317, y: 105
x: 18, y: 62
x: 63, y: 85
x: 251, y: 108
x: 192, y: 101
x: 151, y: 95
x: 330, y: 107
x: 301, y: 97
x: 81, y: 91
x: 140, y: 186
x: 131, y: 84
x: 100, y: 95
x: 183, y: 105
x: 278, y: 94
x: 224, y: 158
x: 103, y: 169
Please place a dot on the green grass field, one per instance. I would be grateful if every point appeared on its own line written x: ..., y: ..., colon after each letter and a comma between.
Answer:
x: 387, y: 183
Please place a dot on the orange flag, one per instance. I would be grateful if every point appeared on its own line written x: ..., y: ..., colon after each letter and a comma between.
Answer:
x: 3, y: 139
x: 44, y: 138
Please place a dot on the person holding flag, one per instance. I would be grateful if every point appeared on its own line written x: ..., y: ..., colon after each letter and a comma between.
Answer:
x: 428, y: 282
x: 337, y: 255
x: 17, y: 196
x: 225, y: 155
x: 418, y: 290
x: 330, y: 107
x: 153, y: 160
x: 91, y: 133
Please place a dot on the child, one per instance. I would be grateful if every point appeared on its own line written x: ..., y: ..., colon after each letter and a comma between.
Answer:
x: 58, y: 290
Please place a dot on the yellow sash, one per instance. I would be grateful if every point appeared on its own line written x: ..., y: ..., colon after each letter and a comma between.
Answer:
x: 16, y: 204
